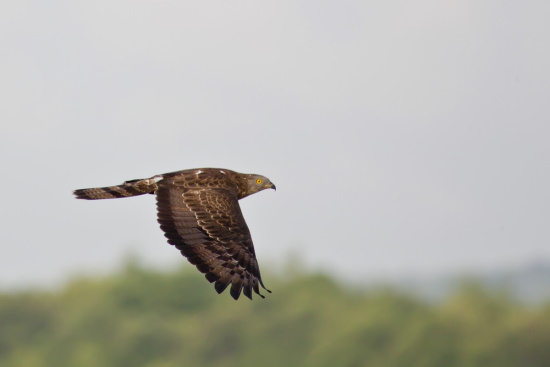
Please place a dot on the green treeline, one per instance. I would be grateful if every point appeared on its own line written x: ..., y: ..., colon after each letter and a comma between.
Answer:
x: 148, y: 318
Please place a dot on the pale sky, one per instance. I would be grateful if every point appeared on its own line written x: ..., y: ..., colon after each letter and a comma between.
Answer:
x: 404, y: 137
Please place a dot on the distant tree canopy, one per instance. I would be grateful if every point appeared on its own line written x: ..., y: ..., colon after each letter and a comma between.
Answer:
x: 149, y: 318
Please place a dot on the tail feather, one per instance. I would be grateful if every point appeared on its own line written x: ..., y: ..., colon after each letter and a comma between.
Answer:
x: 128, y: 188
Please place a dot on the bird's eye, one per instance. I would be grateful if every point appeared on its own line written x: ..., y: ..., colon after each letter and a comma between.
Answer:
x: 259, y: 181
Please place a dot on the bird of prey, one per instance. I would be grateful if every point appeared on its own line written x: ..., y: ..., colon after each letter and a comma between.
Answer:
x: 198, y: 211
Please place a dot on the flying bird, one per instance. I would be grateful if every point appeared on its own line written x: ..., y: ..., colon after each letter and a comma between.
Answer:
x: 199, y: 212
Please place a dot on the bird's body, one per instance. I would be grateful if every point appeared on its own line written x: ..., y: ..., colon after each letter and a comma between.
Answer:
x: 198, y: 211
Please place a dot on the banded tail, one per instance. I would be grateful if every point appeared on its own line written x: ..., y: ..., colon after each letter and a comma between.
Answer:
x: 128, y: 188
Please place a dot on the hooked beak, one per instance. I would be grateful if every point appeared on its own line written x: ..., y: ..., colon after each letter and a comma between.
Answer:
x: 272, y: 186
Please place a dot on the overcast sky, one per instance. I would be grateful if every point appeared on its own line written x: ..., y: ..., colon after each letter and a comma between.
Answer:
x: 404, y: 137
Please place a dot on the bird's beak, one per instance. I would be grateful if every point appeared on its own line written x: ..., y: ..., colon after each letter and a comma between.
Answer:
x: 273, y: 186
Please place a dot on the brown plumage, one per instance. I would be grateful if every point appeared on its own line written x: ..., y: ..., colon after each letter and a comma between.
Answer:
x: 198, y: 211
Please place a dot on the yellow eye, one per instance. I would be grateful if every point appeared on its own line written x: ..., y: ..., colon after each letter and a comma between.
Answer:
x: 259, y: 181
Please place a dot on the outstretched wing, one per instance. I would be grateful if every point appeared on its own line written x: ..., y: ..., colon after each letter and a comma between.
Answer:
x: 206, y: 224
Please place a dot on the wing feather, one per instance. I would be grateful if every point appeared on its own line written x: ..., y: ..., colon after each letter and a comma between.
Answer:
x: 206, y: 224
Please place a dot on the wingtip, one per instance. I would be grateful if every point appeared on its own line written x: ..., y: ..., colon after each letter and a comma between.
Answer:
x: 235, y: 295
x: 263, y: 286
x: 247, y: 291
x: 236, y: 289
x: 220, y: 286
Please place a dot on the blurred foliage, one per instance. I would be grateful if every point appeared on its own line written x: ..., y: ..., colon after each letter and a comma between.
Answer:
x: 149, y: 318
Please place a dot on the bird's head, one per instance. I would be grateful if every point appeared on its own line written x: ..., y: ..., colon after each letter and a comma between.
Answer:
x: 257, y: 183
